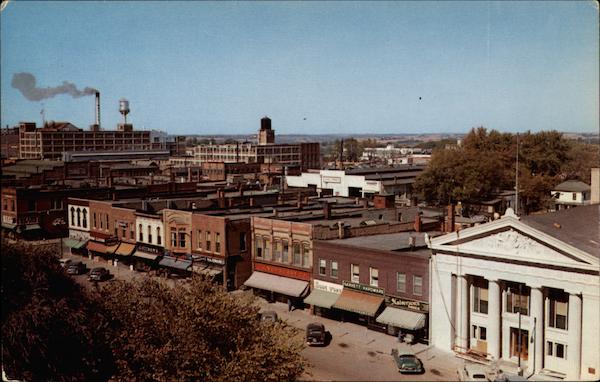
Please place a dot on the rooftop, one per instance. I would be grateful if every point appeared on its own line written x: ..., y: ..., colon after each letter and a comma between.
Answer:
x: 387, y: 242
x: 572, y: 186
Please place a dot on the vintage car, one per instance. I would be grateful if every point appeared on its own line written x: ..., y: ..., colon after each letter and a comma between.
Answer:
x: 408, y: 363
x: 473, y: 372
x: 99, y: 274
x: 315, y: 334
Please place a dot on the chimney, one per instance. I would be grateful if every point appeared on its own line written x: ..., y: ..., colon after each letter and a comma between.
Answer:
x: 418, y: 223
x: 326, y: 211
x: 98, y: 109
x: 221, y: 198
x: 340, y: 230
x: 450, y: 227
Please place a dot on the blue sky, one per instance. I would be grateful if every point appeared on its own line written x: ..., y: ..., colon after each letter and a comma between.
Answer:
x: 313, y: 67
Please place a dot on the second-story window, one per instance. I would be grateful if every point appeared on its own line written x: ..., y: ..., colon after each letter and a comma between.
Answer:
x: 334, y: 269
x: 208, y: 239
x: 149, y: 234
x: 242, y: 241
x: 72, y: 216
x: 480, y: 299
x: 258, y: 246
x: 400, y: 282
x: 182, y: 238
x: 285, y: 257
x: 418, y: 288
x: 132, y: 231
x: 199, y: 239
x: 84, y: 218
x: 78, y: 217
x: 140, y: 233
x: 322, y: 267
x: 266, y: 248
x: 94, y: 221
x: 218, y: 242
x: 306, y: 255
x: 12, y: 204
x: 173, y: 237
x: 158, y: 237
x: 297, y: 257
x: 355, y: 273
x: 374, y: 276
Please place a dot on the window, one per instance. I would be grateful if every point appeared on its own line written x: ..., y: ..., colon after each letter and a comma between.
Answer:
x: 557, y: 316
x: 101, y: 222
x: 277, y: 251
x: 322, y: 267
x: 516, y: 302
x: 5, y: 204
x: 297, y: 258
x: 401, y: 282
x: 12, y: 204
x: 479, y: 332
x: 355, y: 273
x: 158, y: 238
x: 199, y: 239
x: 374, y: 276
x: 116, y: 229
x: 258, y: 244
x: 208, y: 240
x: 84, y: 218
x: 149, y: 234
x: 124, y: 232
x: 555, y: 349
x: 305, y: 255
x: 218, y: 242
x: 242, y: 241
x: 95, y: 222
x: 106, y: 216
x: 173, y: 237
x: 480, y: 299
x: 72, y: 215
x: 78, y: 217
x: 334, y: 269
x: 574, y: 196
x: 141, y: 233
x: 182, y: 238
x: 286, y: 250
x: 131, y: 231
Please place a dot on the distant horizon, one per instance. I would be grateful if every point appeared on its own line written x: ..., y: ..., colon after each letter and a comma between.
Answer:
x: 212, y: 68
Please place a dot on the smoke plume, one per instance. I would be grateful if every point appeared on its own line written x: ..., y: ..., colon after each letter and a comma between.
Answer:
x: 26, y: 84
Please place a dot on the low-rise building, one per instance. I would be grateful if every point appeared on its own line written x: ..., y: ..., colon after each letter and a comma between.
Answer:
x: 571, y: 193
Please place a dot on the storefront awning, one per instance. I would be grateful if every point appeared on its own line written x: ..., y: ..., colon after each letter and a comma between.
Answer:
x: 321, y: 298
x: 8, y: 225
x: 402, y: 318
x: 207, y: 269
x: 101, y: 247
x: 358, y: 302
x: 277, y: 284
x: 74, y: 244
x: 145, y: 255
x: 172, y: 262
x: 125, y: 249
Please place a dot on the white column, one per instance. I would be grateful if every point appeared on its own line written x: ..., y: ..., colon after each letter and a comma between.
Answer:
x: 462, y: 310
x: 493, y: 331
x: 574, y: 344
x: 537, y: 315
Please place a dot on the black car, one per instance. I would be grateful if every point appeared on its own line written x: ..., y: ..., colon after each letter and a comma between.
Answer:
x: 77, y: 268
x: 99, y: 274
x: 408, y: 363
x: 315, y: 334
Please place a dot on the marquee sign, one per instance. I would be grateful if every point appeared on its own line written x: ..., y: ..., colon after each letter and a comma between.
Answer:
x: 404, y: 303
x: 328, y: 287
x: 363, y: 288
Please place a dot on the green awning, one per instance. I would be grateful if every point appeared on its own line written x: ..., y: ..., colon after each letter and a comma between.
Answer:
x: 73, y: 243
x: 321, y: 298
x: 32, y: 227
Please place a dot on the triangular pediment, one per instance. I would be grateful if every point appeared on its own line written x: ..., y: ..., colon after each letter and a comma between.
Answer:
x: 510, y: 239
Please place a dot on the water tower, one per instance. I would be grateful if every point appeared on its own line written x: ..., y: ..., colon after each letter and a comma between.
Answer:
x: 124, y: 109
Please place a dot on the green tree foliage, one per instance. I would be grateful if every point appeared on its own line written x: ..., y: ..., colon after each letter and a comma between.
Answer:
x: 51, y: 330
x: 195, y: 332
x: 486, y: 163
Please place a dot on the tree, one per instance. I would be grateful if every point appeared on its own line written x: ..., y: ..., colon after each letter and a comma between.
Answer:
x: 196, y: 332
x: 51, y: 329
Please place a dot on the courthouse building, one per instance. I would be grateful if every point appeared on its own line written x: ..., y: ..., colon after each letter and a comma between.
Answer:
x: 543, y: 268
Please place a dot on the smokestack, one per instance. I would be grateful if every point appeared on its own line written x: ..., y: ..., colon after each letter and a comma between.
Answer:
x: 98, y: 109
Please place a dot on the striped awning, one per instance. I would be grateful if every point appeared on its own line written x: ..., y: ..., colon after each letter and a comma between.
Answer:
x: 125, y: 249
x: 362, y: 303
x: 278, y: 284
x: 321, y: 298
x: 402, y: 318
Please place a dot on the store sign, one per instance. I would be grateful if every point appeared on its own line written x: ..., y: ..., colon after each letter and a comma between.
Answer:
x: 363, y: 288
x: 332, y: 179
x: 328, y: 287
x: 407, y: 304
x: 148, y: 249
x: 371, y: 183
x: 209, y: 260
x: 280, y: 271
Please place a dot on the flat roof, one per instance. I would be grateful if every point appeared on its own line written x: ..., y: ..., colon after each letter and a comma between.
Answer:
x: 388, y: 241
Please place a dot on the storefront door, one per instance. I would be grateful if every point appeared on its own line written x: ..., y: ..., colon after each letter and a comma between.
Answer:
x: 514, y: 343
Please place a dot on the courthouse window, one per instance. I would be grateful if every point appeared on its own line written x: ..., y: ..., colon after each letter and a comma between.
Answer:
x: 557, y: 315
x: 480, y: 299
x: 516, y: 302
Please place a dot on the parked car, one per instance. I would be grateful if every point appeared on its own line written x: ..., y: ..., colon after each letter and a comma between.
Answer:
x: 99, y: 274
x: 315, y: 334
x: 473, y: 372
x: 268, y: 315
x: 76, y: 268
x: 408, y: 363
x: 64, y: 262
x: 506, y: 377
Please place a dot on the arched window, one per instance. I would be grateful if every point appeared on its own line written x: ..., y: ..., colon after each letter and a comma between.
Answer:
x: 158, y: 239
x: 72, y: 215
x: 84, y: 218
x: 149, y: 235
x: 141, y: 233
x: 78, y: 217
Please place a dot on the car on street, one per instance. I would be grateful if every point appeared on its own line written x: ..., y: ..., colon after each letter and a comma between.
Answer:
x: 506, y: 377
x: 269, y: 316
x: 408, y: 363
x: 64, y: 262
x: 473, y: 373
x: 99, y: 274
x: 315, y: 334
x: 76, y: 268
